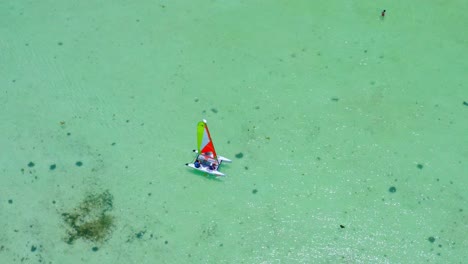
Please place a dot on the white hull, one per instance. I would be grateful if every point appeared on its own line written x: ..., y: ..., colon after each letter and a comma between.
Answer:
x: 207, y: 169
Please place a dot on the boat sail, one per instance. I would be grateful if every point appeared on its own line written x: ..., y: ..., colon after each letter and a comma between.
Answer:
x: 205, y: 144
x: 207, y: 160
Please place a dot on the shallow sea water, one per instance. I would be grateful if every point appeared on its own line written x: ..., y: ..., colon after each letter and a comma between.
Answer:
x: 352, y: 130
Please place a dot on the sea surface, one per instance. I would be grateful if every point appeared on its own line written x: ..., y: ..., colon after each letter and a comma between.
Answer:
x: 348, y: 131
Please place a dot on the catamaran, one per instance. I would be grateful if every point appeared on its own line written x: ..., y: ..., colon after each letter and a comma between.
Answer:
x: 207, y: 160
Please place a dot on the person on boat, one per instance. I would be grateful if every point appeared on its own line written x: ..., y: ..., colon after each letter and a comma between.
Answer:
x: 211, y: 166
x: 197, y: 163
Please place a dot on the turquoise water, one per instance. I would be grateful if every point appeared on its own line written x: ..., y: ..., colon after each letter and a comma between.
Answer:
x: 352, y: 130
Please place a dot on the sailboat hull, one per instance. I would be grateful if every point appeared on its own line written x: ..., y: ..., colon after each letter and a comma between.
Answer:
x: 205, y: 169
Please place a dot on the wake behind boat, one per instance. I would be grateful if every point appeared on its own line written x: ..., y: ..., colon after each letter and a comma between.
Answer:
x: 207, y: 160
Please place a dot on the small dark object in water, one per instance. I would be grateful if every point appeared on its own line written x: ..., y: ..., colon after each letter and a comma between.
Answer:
x: 95, y: 249
x: 214, y: 110
x: 383, y: 13
x: 465, y: 103
x: 31, y: 164
x: 342, y: 226
x: 79, y: 163
x: 392, y: 189
x: 239, y: 155
x: 33, y: 248
x: 431, y: 239
x: 10, y: 201
x: 52, y: 167
x: 254, y: 191
x: 420, y: 166
x: 140, y: 234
